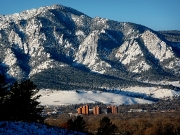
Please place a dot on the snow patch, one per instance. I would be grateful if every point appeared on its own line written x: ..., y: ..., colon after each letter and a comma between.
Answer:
x: 24, y: 128
x: 53, y: 97
x: 154, y: 91
x: 41, y: 67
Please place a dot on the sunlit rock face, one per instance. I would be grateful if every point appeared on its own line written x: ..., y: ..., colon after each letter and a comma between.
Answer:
x: 55, y: 36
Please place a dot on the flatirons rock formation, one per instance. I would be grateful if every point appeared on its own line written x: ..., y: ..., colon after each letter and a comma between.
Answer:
x: 60, y: 47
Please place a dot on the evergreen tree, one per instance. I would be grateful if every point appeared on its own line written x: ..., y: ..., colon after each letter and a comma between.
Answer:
x: 3, y: 89
x: 22, y: 104
x: 78, y: 124
x: 3, y: 95
x: 106, y: 127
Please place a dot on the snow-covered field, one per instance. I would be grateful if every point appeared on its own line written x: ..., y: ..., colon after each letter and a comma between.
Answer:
x: 131, y: 95
x: 153, y: 91
x: 76, y: 97
x: 23, y: 128
x: 174, y: 83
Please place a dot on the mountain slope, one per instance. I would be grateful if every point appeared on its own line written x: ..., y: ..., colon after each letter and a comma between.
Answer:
x: 42, y: 43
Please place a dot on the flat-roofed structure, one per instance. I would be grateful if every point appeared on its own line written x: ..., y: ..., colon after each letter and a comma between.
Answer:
x: 83, y: 110
x: 80, y: 110
x: 87, y: 110
x: 96, y: 110
x: 112, y: 109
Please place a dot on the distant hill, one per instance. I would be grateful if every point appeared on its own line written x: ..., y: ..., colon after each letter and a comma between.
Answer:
x: 171, y: 35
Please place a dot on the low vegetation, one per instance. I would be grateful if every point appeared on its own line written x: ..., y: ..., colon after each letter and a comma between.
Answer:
x: 139, y: 123
x: 161, y: 117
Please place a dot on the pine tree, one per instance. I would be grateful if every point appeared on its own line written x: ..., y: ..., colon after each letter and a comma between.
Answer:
x: 106, y: 127
x: 78, y: 124
x: 3, y: 95
x: 22, y: 104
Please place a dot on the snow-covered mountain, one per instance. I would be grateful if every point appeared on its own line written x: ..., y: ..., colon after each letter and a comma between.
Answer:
x: 59, y: 47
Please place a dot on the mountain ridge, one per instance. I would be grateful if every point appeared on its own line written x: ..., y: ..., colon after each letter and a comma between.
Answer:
x: 53, y: 39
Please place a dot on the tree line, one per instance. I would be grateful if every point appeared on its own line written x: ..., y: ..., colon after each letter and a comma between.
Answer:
x: 106, y: 127
x: 122, y: 124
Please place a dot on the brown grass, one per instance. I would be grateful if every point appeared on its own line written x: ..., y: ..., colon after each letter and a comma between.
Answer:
x: 166, y: 123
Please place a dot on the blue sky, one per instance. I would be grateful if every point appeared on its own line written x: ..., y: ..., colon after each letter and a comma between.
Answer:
x: 155, y: 14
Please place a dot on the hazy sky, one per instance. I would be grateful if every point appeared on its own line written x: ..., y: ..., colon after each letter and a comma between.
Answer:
x: 155, y: 14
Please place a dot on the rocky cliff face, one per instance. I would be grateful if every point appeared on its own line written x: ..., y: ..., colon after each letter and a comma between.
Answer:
x: 57, y: 37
